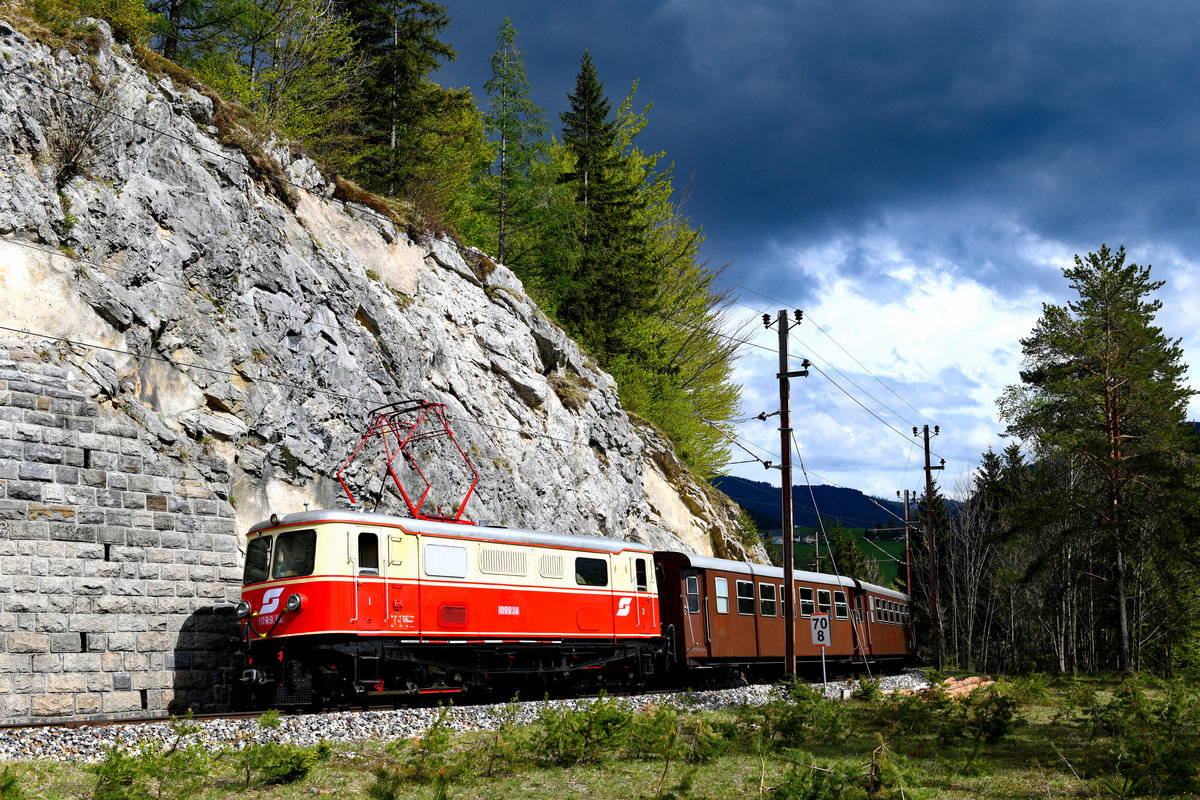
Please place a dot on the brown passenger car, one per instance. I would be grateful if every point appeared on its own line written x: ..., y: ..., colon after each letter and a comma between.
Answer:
x: 729, y: 615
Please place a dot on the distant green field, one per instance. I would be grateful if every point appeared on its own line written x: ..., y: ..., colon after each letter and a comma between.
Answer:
x: 886, y: 555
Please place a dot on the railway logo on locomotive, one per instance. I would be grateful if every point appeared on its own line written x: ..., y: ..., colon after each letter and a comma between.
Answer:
x: 270, y: 600
x: 623, y: 606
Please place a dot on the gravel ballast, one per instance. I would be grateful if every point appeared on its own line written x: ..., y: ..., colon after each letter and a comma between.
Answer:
x: 89, y: 744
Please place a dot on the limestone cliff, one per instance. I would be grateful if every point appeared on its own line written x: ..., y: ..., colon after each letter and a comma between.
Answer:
x: 233, y: 307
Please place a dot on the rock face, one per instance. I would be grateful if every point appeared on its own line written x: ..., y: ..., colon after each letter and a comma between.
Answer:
x: 194, y: 338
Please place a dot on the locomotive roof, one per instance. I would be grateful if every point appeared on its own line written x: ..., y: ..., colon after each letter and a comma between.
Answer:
x: 459, y: 531
x: 767, y: 571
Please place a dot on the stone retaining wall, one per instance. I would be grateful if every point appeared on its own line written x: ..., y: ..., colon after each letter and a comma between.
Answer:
x: 119, y: 559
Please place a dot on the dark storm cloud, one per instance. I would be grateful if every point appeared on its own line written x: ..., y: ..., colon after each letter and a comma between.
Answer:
x: 1074, y: 121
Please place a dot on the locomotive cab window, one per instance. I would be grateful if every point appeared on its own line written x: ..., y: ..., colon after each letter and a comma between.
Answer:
x: 368, y: 554
x: 258, y: 560
x: 806, y: 602
x: 766, y: 599
x: 692, y: 590
x: 639, y: 572
x: 745, y: 597
x: 591, y: 571
x: 295, y: 554
x: 841, y: 608
x: 823, y: 601
x: 722, y: 593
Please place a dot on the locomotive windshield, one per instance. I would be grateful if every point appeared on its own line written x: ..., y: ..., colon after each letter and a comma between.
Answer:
x: 258, y: 558
x: 295, y: 554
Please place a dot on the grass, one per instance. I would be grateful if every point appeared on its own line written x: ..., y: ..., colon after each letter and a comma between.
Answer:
x: 1049, y: 746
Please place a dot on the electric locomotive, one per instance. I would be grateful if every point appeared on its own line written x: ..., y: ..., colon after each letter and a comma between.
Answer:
x: 345, y: 608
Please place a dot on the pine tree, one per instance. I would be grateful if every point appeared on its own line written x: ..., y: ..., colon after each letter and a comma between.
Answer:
x: 518, y: 127
x: 1103, y: 393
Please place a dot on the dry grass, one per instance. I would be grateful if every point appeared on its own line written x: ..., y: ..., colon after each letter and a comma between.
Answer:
x: 349, y: 191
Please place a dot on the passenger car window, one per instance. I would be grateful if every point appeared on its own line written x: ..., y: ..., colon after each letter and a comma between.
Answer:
x: 766, y: 599
x: 841, y: 608
x: 806, y: 602
x: 692, y: 590
x: 258, y: 560
x: 722, y: 587
x: 745, y: 597
x: 295, y: 554
x: 823, y: 602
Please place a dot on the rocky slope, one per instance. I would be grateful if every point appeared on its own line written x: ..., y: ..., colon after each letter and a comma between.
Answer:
x: 237, y: 309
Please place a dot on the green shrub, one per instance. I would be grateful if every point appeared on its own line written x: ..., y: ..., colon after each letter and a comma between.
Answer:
x: 1154, y: 739
x: 277, y: 763
x: 868, y: 690
x: 427, y: 756
x: 10, y: 785
x: 803, y: 715
x: 567, y: 736
x: 806, y: 780
x: 507, y: 746
x: 178, y: 769
x: 1025, y: 689
x: 671, y: 736
x: 119, y: 776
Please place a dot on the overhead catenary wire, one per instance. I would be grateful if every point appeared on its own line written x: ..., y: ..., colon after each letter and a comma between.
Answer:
x: 808, y: 317
x: 860, y: 404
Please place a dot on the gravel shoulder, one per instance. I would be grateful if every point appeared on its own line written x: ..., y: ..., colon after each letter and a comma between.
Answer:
x: 90, y: 744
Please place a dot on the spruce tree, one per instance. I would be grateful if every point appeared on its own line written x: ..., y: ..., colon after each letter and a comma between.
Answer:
x: 609, y: 277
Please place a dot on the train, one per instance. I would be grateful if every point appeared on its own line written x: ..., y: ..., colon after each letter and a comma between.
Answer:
x: 346, y: 608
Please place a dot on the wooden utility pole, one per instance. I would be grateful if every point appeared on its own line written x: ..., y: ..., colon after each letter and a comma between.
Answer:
x: 785, y: 469
x: 933, y: 609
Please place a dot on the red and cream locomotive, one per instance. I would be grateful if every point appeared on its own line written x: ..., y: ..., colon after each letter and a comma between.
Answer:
x: 345, y: 607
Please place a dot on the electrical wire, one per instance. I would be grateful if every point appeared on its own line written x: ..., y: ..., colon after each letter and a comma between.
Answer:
x: 832, y: 559
x: 861, y: 405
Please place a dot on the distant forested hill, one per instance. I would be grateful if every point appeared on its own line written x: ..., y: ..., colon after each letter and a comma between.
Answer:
x: 852, y: 507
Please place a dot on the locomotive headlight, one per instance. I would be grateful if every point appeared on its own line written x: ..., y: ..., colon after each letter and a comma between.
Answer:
x: 242, y: 610
x: 293, y: 602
